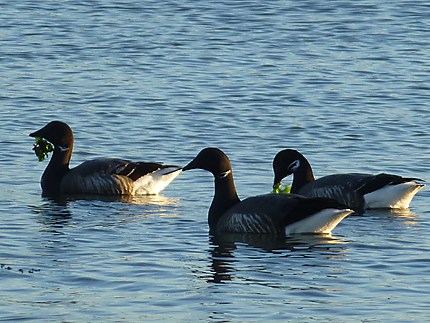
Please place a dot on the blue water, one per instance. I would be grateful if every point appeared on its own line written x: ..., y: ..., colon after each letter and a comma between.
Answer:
x: 344, y: 82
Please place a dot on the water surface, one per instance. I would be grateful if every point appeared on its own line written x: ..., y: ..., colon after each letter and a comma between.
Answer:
x: 344, y: 82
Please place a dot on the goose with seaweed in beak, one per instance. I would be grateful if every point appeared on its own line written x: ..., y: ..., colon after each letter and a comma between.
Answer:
x: 102, y: 176
x: 358, y: 191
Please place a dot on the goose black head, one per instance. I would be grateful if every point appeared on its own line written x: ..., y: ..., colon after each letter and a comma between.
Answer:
x: 285, y: 163
x: 56, y: 132
x: 212, y: 160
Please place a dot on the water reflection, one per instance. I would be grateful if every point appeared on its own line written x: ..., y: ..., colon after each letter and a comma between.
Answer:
x: 223, y: 248
x: 54, y: 213
x: 406, y: 216
x: 135, y: 200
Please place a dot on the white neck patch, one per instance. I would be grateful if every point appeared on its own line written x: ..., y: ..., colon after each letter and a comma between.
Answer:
x: 294, y: 165
x: 224, y: 174
x: 63, y: 149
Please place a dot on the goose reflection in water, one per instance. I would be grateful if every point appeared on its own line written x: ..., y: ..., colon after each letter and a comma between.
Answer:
x: 53, y: 212
x: 403, y: 216
x: 223, y: 249
x: 136, y: 199
x: 57, y: 211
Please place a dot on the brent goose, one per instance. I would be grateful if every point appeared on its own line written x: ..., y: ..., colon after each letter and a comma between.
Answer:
x: 102, y: 176
x: 271, y: 213
x: 357, y: 191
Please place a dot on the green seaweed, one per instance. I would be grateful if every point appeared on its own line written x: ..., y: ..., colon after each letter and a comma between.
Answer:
x: 278, y: 189
x: 42, y: 148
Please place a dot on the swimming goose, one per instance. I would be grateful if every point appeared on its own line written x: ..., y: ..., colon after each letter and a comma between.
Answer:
x: 356, y: 190
x: 271, y: 213
x: 102, y: 176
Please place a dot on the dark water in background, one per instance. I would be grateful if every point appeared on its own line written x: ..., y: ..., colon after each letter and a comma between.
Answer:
x: 347, y: 83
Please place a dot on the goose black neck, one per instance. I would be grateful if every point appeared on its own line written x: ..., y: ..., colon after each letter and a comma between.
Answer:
x: 302, y: 176
x: 55, y: 171
x: 225, y: 197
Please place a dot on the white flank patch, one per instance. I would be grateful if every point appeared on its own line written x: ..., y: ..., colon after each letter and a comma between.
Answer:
x: 393, y: 196
x: 321, y: 222
x: 157, y: 181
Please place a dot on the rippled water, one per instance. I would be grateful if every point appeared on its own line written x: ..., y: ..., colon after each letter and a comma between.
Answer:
x: 344, y: 82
